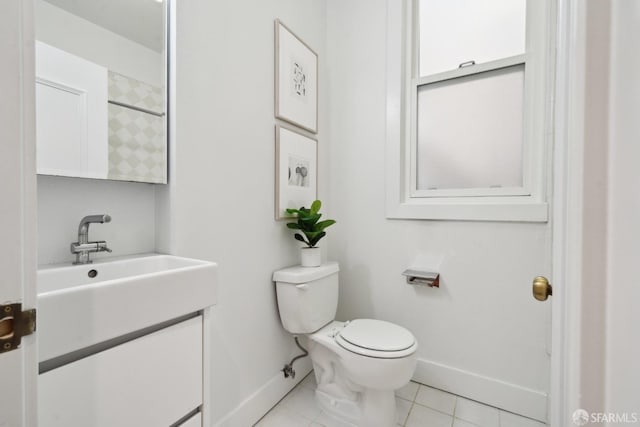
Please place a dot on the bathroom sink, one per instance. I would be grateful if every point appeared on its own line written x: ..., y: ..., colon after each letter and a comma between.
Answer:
x: 83, y: 305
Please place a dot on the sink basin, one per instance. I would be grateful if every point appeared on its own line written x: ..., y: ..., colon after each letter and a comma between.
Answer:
x: 83, y: 305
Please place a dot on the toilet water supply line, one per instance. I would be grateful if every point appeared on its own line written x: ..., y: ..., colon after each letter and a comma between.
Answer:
x: 288, y: 368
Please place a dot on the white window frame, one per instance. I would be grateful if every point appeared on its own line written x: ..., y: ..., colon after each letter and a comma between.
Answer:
x: 403, y: 199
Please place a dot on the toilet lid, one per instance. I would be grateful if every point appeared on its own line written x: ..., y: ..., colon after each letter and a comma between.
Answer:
x: 375, y: 335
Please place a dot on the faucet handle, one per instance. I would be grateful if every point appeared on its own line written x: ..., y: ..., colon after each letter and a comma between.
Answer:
x: 101, y: 246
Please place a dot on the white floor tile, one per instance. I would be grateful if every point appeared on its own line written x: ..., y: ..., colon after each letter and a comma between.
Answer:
x: 421, y: 416
x: 326, y: 420
x: 436, y: 399
x: 477, y: 413
x: 402, y: 410
x: 457, y: 422
x: 302, y: 401
x: 408, y: 392
x: 432, y: 408
x: 507, y: 419
x: 282, y: 417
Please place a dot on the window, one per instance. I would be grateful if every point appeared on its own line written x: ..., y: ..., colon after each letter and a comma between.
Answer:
x: 452, y: 32
x: 472, y: 89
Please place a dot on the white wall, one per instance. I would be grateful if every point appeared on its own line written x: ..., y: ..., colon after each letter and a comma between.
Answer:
x: 623, y: 316
x: 62, y: 202
x: 78, y: 36
x: 481, y: 334
x: 219, y: 205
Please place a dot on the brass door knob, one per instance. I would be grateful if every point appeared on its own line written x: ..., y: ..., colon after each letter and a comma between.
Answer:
x: 541, y: 288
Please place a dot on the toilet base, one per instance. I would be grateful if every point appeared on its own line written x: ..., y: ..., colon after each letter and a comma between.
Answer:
x: 345, y: 410
x: 357, y: 401
x: 375, y: 408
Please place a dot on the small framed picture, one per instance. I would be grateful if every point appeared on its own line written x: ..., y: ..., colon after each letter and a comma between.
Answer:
x: 296, y: 170
x: 296, y: 75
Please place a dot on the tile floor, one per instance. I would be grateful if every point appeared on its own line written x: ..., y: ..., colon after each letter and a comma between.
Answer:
x: 417, y: 406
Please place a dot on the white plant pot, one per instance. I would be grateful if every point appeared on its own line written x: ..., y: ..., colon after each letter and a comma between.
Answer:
x: 310, y: 257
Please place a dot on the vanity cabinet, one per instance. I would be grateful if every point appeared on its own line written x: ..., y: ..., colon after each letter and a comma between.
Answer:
x: 154, y: 380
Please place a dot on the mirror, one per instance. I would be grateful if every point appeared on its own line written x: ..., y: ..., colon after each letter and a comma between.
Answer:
x: 101, y: 73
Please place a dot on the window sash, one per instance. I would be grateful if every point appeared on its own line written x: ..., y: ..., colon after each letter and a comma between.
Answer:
x: 417, y: 81
x: 470, y: 70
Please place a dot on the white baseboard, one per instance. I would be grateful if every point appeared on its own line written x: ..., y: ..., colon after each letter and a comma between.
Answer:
x: 491, y: 391
x: 266, y: 397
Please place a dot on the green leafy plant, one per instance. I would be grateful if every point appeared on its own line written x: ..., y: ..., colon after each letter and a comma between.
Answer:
x: 309, y: 224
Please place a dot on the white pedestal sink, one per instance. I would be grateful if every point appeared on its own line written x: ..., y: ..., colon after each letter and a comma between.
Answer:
x: 83, y: 305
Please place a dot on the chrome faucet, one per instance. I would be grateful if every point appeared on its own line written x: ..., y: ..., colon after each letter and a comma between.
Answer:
x: 83, y: 247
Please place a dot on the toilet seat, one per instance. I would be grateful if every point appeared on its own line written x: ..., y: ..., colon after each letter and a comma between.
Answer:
x: 376, y: 338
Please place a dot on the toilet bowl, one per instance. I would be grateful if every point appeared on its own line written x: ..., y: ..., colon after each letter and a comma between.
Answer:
x: 358, y: 364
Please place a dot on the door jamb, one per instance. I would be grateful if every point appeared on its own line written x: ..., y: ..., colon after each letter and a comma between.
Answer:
x: 20, y: 54
x: 568, y: 215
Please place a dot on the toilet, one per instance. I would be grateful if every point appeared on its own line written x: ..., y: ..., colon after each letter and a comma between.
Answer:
x: 358, y: 364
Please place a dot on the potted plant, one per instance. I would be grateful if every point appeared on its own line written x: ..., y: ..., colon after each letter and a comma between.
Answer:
x: 311, y: 230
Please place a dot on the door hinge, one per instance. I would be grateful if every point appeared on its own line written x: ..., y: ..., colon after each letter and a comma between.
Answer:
x: 15, y: 324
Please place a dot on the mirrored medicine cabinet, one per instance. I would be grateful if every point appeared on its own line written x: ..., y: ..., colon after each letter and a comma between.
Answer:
x: 101, y: 89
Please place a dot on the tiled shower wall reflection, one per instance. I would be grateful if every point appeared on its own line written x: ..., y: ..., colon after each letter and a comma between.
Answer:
x: 137, y: 147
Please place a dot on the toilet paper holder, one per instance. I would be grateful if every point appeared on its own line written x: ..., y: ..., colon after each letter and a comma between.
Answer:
x: 422, y: 278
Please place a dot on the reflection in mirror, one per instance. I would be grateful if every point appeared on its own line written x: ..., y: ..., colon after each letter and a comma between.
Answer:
x: 101, y: 89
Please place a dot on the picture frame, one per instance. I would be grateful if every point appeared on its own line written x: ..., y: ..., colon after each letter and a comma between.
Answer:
x: 296, y: 80
x: 296, y: 172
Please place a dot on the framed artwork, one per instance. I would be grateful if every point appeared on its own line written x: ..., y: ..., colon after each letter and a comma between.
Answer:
x: 296, y: 170
x: 296, y: 75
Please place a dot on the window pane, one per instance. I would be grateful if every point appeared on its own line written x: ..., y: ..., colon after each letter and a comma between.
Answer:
x: 470, y: 132
x: 457, y: 31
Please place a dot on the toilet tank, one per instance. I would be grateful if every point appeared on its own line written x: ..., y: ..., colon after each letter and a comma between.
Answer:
x: 307, y: 296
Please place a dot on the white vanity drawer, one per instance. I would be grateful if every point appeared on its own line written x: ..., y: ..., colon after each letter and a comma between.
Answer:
x: 154, y: 381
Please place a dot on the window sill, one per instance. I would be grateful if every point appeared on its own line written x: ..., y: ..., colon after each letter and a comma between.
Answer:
x: 513, y: 209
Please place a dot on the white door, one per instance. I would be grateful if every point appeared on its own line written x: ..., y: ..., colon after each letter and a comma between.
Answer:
x: 18, y: 368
